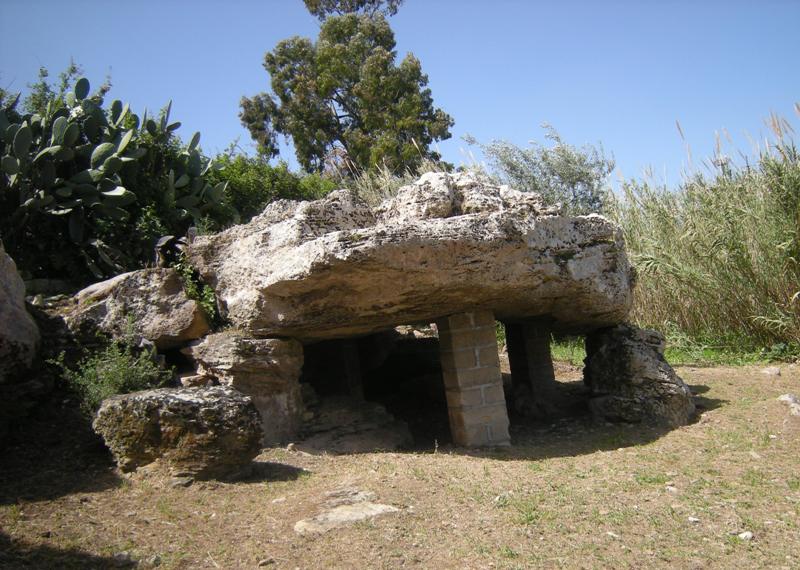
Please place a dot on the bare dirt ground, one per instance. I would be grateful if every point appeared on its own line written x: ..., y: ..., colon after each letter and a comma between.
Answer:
x: 567, y: 495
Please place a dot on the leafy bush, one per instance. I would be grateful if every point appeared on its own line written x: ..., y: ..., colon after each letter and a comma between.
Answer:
x: 252, y: 183
x: 119, y: 368
x: 574, y: 177
x: 196, y: 290
x: 86, y: 190
x: 719, y: 259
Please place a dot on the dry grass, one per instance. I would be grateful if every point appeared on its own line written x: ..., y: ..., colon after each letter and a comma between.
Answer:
x: 374, y: 186
x: 572, y: 495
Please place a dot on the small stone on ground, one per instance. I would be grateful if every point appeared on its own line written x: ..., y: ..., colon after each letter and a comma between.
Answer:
x: 345, y: 506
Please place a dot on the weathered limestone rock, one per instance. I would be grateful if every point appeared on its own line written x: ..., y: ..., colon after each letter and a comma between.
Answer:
x: 630, y: 379
x: 793, y: 402
x: 267, y: 370
x: 344, y: 507
x: 447, y: 244
x: 19, y: 336
x: 150, y: 301
x: 199, y: 432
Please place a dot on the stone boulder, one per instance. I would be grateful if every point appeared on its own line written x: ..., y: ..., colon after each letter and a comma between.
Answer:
x: 449, y: 243
x: 150, y: 303
x: 19, y: 335
x: 631, y: 381
x: 198, y: 432
x: 267, y: 370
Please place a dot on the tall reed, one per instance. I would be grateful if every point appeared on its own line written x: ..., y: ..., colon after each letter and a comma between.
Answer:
x: 718, y: 259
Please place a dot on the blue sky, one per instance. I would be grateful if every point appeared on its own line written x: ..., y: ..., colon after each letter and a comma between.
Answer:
x: 620, y: 73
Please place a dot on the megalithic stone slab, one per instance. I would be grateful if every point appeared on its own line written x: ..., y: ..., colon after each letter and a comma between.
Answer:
x: 151, y: 303
x: 631, y: 381
x: 447, y: 244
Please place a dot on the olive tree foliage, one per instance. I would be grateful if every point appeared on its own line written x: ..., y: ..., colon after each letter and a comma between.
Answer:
x: 574, y: 177
x: 345, y: 95
x: 324, y: 8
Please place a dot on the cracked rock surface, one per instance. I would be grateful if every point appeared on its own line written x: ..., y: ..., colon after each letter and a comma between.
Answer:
x: 343, y: 506
x: 198, y: 432
x: 631, y: 380
x: 150, y: 302
x: 446, y: 244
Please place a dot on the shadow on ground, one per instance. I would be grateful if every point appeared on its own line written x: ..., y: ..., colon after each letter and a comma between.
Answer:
x: 570, y: 429
x: 703, y: 403
x: 17, y: 554
x: 53, y: 453
x: 580, y: 434
x: 267, y: 471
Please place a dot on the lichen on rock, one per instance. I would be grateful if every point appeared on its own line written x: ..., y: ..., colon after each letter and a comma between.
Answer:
x: 199, y: 432
x: 631, y: 381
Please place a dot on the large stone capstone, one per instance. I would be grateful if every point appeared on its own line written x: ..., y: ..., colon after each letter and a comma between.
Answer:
x: 447, y: 244
x: 19, y: 336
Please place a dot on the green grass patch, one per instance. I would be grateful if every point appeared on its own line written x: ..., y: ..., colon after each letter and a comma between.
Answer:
x: 650, y: 478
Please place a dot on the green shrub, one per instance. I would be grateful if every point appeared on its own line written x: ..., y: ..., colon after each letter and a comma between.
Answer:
x: 252, y: 183
x: 119, y: 368
x: 196, y: 290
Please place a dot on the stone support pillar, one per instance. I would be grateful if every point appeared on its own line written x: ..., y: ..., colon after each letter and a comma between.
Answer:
x: 530, y: 359
x: 473, y: 383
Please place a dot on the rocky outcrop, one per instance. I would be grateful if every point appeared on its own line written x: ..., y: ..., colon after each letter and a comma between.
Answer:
x: 267, y: 370
x: 447, y: 244
x: 198, y: 432
x: 19, y: 336
x: 150, y: 303
x: 631, y: 381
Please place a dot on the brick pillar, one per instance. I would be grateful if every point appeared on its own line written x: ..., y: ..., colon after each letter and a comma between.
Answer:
x: 473, y: 383
x: 530, y: 359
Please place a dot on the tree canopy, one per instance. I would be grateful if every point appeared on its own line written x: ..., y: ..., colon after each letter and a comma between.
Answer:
x: 324, y: 8
x: 345, y: 95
